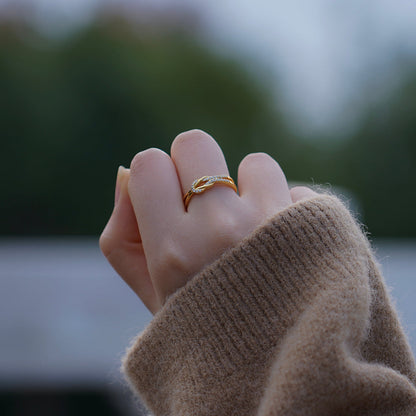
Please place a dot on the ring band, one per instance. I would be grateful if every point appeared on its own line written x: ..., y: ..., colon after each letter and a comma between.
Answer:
x: 202, y: 184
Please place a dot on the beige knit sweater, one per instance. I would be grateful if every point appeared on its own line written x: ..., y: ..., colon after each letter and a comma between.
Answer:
x: 295, y: 320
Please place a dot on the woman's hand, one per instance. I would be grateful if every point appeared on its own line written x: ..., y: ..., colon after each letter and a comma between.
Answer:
x: 155, y: 244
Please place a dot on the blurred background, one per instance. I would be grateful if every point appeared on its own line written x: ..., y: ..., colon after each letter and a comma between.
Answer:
x: 328, y: 89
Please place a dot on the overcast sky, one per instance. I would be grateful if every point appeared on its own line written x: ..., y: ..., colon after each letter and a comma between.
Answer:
x: 329, y: 56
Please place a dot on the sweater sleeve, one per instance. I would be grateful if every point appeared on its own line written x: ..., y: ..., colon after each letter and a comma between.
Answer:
x: 295, y: 320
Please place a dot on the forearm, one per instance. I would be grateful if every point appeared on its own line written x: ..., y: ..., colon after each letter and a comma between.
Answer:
x: 288, y: 322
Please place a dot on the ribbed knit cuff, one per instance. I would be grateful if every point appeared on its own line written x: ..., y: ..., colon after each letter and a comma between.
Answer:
x: 226, y: 323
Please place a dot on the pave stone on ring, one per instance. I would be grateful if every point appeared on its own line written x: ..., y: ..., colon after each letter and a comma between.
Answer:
x: 202, y: 184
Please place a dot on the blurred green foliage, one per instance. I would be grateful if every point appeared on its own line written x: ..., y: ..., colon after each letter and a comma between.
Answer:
x: 71, y: 111
x: 380, y: 164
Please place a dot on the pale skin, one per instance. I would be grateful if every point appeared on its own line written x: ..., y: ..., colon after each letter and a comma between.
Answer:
x: 155, y: 244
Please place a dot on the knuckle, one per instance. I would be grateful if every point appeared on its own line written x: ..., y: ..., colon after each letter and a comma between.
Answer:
x: 261, y: 162
x: 186, y: 138
x: 142, y: 160
x: 301, y: 192
x: 226, y: 230
x: 300, y: 188
x: 107, y: 244
x: 257, y: 158
x: 170, y: 260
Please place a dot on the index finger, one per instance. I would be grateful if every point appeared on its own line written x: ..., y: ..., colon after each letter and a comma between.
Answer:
x: 156, y: 197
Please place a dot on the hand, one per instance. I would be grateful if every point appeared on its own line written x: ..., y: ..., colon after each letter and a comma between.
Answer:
x: 155, y: 244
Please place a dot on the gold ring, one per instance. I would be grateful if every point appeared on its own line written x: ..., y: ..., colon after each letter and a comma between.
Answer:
x: 202, y: 184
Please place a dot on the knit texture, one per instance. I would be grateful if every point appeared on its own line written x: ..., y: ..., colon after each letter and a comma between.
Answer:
x: 295, y: 320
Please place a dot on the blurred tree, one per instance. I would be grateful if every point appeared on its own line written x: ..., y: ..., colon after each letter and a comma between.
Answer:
x: 71, y: 111
x: 377, y: 164
x: 381, y: 164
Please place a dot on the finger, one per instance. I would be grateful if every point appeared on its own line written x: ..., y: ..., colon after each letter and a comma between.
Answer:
x: 196, y: 154
x: 301, y: 192
x: 156, y: 197
x: 263, y: 184
x: 121, y: 244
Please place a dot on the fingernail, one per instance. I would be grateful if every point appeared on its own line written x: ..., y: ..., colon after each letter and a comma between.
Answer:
x: 121, y: 175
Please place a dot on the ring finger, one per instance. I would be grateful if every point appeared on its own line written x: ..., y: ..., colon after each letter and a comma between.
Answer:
x: 197, y: 154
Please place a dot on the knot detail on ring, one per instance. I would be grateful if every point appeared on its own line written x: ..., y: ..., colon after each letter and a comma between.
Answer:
x: 202, y: 184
